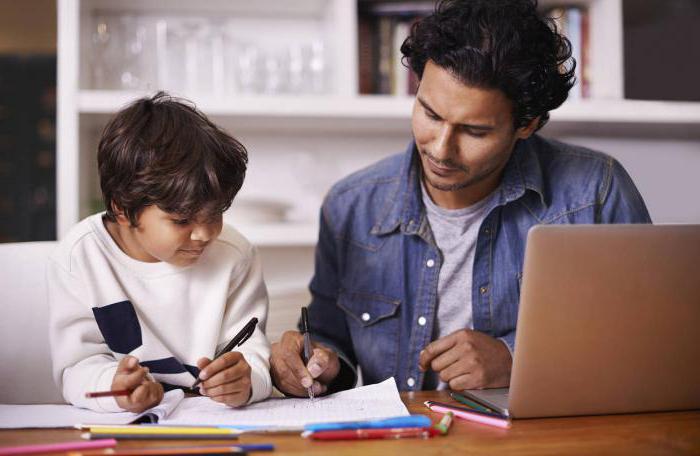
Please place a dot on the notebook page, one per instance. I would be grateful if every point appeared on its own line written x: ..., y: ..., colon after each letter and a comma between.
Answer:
x: 367, y: 402
x: 54, y: 415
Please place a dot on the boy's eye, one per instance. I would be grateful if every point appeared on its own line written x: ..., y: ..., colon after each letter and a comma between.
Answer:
x: 181, y: 221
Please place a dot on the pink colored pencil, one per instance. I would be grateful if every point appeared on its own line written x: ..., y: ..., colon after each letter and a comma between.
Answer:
x: 475, y: 417
x: 59, y: 447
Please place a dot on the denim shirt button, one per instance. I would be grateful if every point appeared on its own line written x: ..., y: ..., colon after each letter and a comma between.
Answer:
x: 484, y: 290
x: 422, y: 321
x: 411, y: 382
x: 430, y: 263
x: 365, y: 317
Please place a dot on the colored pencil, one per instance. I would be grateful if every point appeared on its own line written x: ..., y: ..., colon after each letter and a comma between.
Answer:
x: 469, y: 403
x: 161, y: 436
x: 363, y: 434
x: 61, y: 447
x: 165, y: 450
x: 95, y: 394
x: 477, y: 417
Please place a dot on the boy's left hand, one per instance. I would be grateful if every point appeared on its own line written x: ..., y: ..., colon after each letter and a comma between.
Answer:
x: 226, y: 379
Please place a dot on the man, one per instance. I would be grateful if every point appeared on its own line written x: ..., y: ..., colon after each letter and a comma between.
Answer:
x: 420, y: 256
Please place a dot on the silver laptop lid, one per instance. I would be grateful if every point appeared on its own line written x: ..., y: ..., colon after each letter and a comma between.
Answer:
x: 609, y: 321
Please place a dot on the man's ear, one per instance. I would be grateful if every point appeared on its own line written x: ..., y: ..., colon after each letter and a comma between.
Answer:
x: 122, y: 219
x: 527, y: 131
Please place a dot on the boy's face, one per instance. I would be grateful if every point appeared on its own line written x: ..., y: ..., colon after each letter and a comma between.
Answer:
x: 163, y: 236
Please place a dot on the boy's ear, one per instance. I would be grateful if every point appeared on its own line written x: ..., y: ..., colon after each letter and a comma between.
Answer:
x: 122, y: 219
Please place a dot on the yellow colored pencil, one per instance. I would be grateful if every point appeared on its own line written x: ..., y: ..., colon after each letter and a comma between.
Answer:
x: 160, y: 430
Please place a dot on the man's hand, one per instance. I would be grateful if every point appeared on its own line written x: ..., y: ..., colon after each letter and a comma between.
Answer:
x: 289, y: 373
x: 145, y: 393
x: 468, y: 359
x: 226, y: 379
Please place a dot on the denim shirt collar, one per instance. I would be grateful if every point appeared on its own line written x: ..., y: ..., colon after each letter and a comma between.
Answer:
x: 522, y: 172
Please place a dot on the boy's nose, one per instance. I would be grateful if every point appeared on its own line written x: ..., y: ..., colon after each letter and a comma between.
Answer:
x: 202, y: 232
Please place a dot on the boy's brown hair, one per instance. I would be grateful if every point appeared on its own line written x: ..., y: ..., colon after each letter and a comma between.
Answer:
x: 163, y: 151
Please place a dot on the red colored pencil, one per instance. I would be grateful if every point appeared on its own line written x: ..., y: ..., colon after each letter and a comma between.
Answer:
x: 94, y: 394
x: 391, y: 433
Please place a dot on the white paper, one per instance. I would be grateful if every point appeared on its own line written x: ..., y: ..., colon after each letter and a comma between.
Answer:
x: 52, y: 415
x: 367, y: 402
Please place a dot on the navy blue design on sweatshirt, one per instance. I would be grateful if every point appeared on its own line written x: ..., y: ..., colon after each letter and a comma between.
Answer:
x: 119, y: 326
x: 164, y: 366
x: 194, y: 370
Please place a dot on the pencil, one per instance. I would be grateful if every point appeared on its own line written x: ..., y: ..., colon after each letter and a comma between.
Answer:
x: 94, y: 394
x: 197, y: 449
x: 139, y: 429
x: 125, y: 436
x: 444, y: 425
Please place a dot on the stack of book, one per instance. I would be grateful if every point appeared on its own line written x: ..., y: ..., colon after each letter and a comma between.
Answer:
x: 382, y: 29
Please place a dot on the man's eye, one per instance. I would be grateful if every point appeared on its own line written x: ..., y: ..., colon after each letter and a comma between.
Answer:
x: 432, y: 115
x: 181, y: 221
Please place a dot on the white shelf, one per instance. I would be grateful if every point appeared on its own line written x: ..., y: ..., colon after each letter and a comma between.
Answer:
x: 372, y: 108
x: 628, y: 112
x: 280, y: 234
x: 311, y: 106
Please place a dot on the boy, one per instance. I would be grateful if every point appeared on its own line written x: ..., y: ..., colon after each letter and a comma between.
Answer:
x: 142, y: 295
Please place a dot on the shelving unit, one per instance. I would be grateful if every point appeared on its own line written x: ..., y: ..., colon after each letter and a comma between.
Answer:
x: 300, y: 144
x: 341, y: 113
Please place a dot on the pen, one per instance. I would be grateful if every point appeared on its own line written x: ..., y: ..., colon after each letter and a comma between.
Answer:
x: 307, y: 343
x: 95, y: 394
x: 243, y: 335
x: 477, y: 417
x: 362, y: 434
x: 459, y: 398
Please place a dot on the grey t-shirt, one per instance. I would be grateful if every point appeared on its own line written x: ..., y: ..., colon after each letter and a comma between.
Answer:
x: 455, y: 232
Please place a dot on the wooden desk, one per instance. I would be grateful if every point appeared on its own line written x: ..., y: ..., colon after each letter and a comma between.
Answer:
x: 650, y: 433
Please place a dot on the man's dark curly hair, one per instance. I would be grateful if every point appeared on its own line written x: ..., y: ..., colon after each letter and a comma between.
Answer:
x: 497, y: 44
x: 162, y: 151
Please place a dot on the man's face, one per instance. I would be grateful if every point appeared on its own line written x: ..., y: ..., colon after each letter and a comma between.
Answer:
x: 464, y: 134
x: 162, y: 236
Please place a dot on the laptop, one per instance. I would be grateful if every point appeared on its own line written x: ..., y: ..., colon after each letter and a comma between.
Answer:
x: 609, y: 322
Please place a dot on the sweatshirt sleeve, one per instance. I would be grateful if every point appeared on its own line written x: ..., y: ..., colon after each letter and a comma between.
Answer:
x: 247, y: 299
x: 81, y: 359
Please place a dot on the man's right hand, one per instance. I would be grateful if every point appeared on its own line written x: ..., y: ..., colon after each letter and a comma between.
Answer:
x: 289, y: 373
x: 145, y: 393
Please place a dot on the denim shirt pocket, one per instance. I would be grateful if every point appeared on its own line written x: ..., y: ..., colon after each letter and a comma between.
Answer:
x: 375, y: 327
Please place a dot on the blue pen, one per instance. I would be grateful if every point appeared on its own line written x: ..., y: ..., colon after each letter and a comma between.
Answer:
x: 396, y: 422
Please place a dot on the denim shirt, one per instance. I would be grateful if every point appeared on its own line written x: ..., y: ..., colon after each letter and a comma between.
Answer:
x: 377, y: 264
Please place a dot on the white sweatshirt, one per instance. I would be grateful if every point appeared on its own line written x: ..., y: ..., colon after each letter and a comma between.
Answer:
x: 104, y: 305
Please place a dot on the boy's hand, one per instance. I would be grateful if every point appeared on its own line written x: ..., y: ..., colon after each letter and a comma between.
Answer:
x: 131, y: 376
x: 226, y: 379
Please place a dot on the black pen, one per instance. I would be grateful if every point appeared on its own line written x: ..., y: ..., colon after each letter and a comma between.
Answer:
x: 308, y: 352
x: 243, y: 335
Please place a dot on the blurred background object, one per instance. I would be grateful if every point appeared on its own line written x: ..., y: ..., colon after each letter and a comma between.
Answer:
x: 316, y: 90
x: 27, y: 120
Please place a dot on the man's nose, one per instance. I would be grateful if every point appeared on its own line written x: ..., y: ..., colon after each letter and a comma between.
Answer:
x: 444, y: 143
